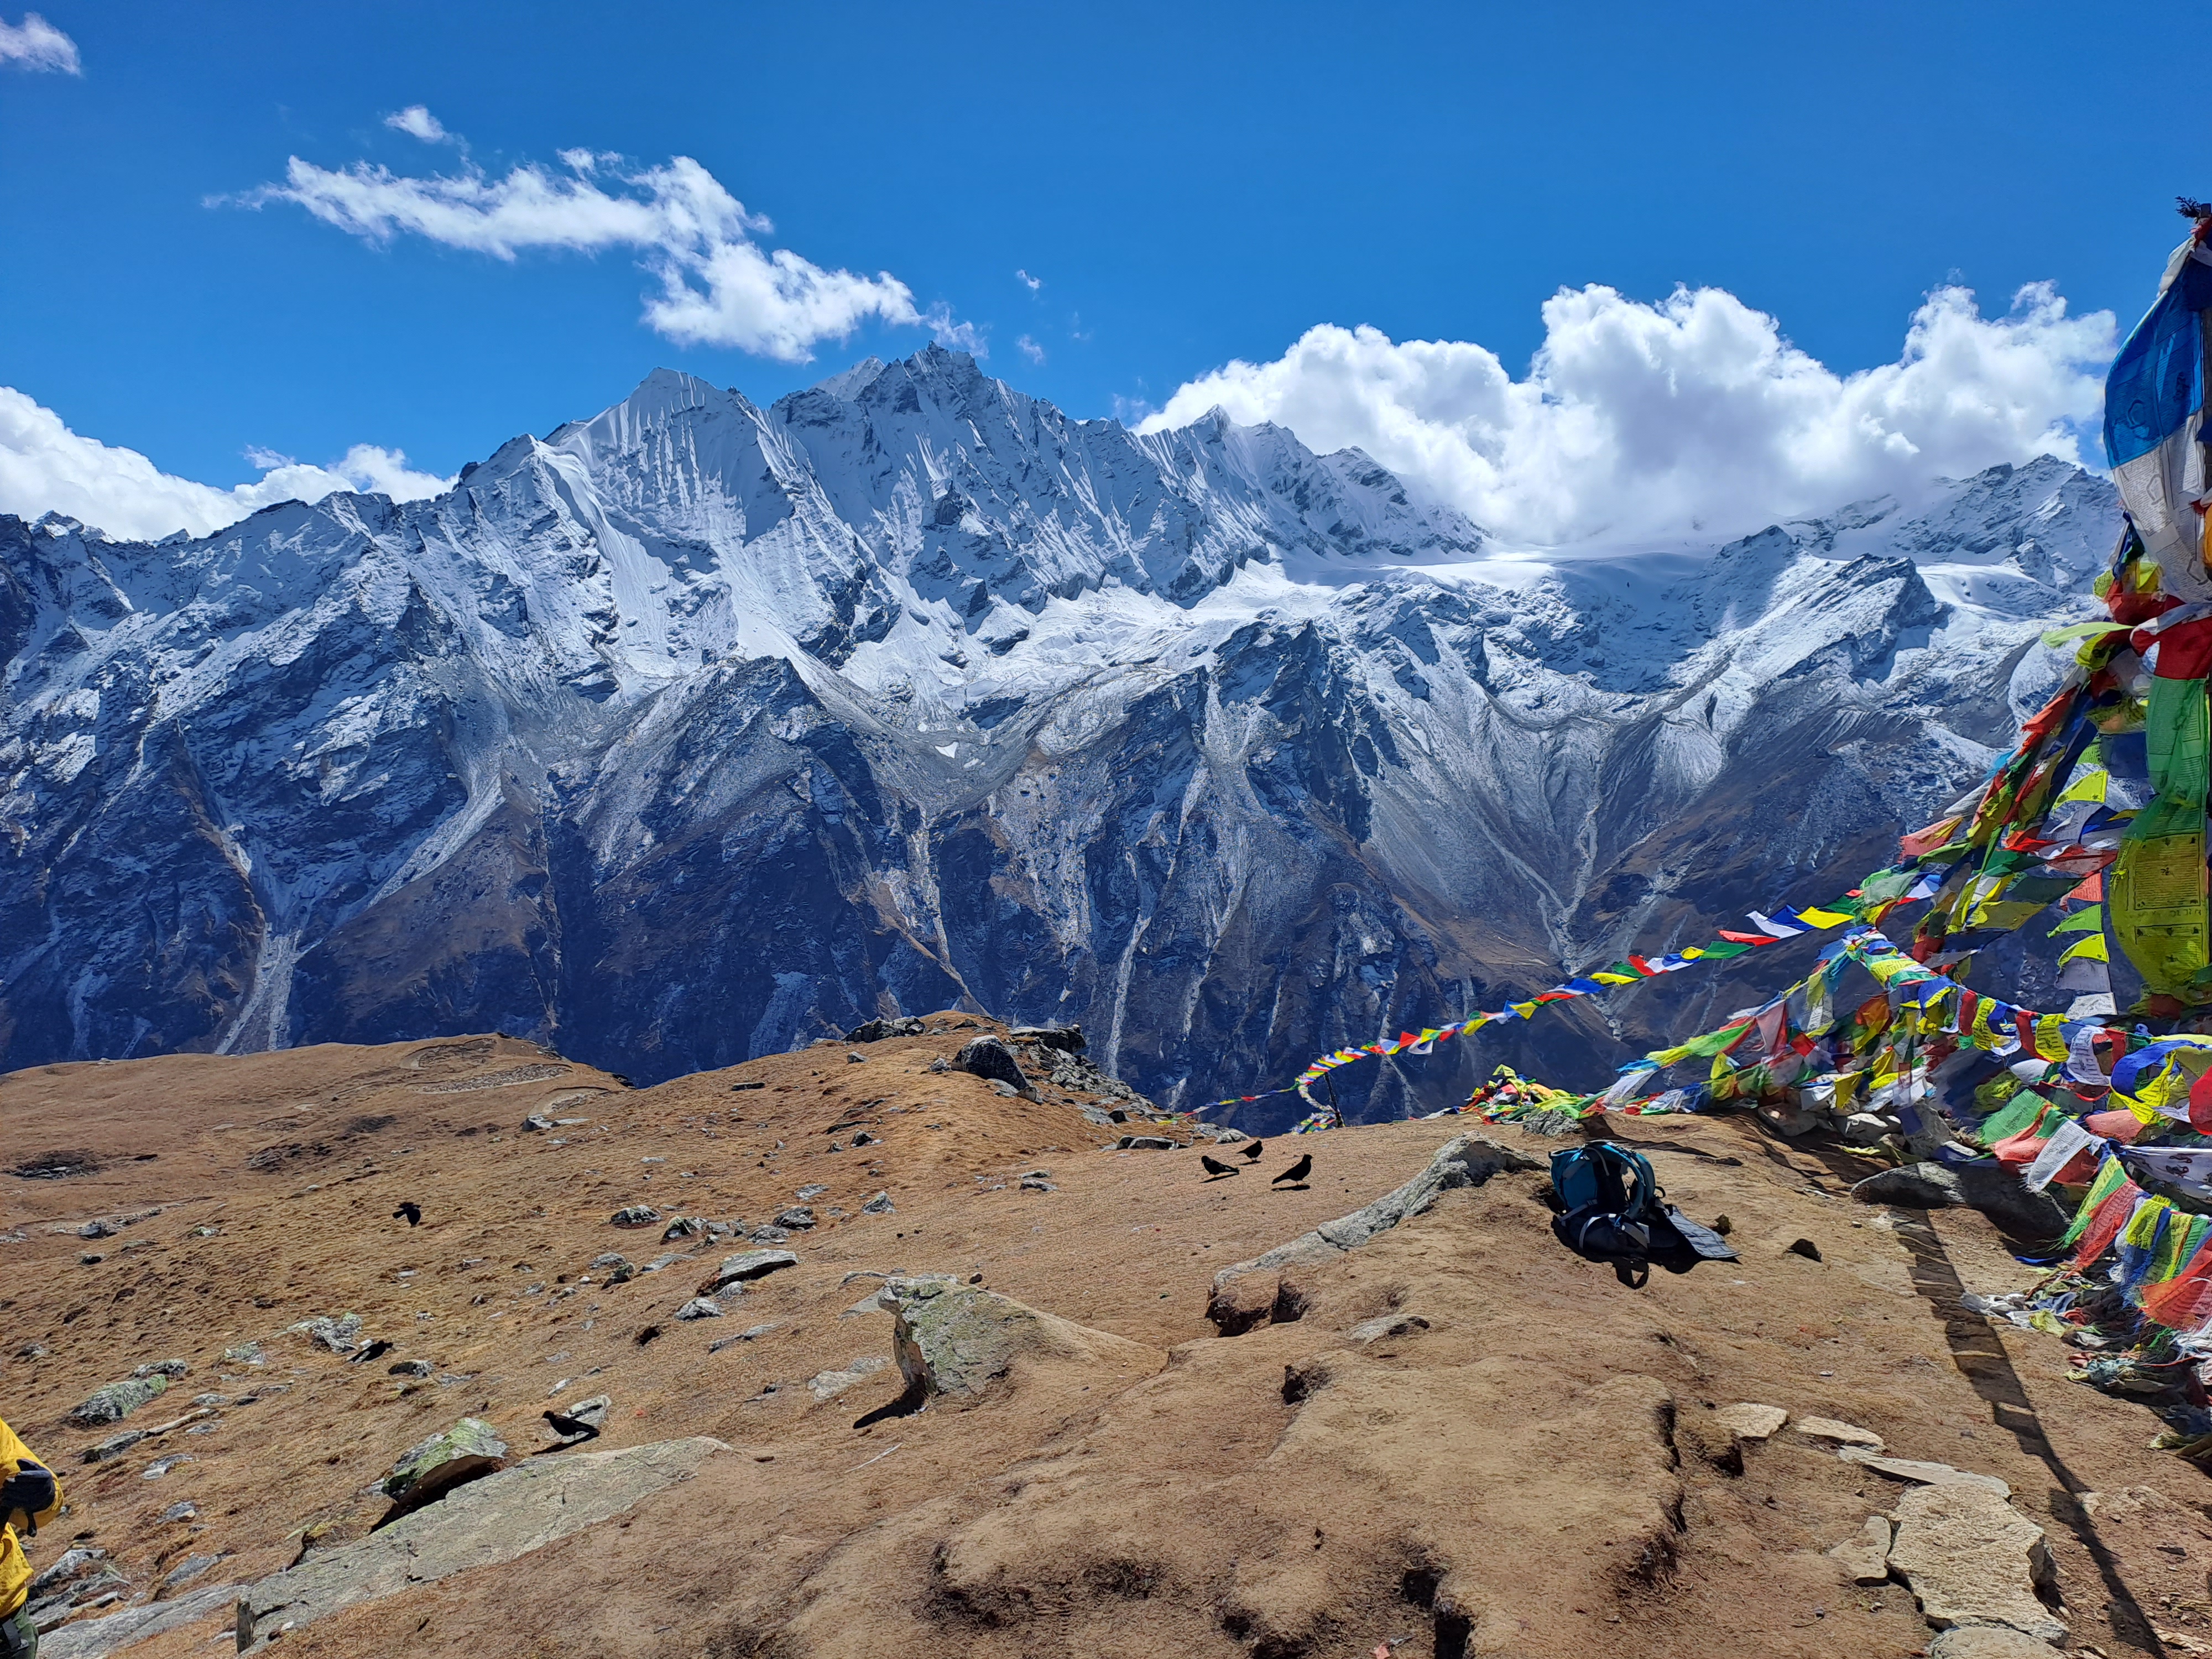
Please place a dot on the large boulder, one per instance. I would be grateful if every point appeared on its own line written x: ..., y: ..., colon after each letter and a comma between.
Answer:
x: 1971, y: 1558
x: 1987, y: 1185
x: 118, y: 1400
x: 486, y: 1522
x: 469, y: 1451
x: 988, y: 1058
x: 959, y: 1342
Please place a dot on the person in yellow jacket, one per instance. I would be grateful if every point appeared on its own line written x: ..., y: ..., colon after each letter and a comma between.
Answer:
x: 28, y: 1494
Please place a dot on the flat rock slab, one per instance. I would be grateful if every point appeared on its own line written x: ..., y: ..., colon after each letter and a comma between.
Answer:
x: 1865, y: 1555
x: 1747, y: 1421
x: 1245, y: 1294
x: 744, y: 1266
x: 1928, y: 1474
x: 1989, y: 1642
x: 1971, y: 1558
x: 483, y: 1523
x: 95, y: 1638
x: 1846, y: 1434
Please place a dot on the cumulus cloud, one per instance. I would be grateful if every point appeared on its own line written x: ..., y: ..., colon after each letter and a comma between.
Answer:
x: 719, y: 286
x: 35, y: 44
x: 1694, y: 411
x: 46, y: 468
x: 1032, y: 283
x: 1029, y: 349
x: 416, y: 122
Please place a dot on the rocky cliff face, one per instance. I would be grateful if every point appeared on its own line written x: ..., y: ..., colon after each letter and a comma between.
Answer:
x: 689, y: 731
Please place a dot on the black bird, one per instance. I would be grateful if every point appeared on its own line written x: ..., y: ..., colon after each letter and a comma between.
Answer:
x: 1252, y: 1152
x: 1297, y: 1171
x: 1215, y: 1167
x: 375, y: 1349
x: 412, y: 1210
x: 573, y: 1429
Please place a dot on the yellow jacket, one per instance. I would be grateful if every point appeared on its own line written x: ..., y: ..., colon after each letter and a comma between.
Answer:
x: 14, y: 1569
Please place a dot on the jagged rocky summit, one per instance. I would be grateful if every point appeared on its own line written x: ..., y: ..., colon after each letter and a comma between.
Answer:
x: 697, y: 729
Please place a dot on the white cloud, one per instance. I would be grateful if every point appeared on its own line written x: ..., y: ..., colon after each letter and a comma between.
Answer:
x: 46, y: 468
x: 717, y: 285
x: 1032, y: 283
x: 1693, y: 410
x: 416, y: 121
x: 38, y: 45
x: 1029, y: 349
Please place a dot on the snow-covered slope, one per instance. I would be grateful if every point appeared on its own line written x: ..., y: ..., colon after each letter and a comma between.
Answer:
x: 691, y: 730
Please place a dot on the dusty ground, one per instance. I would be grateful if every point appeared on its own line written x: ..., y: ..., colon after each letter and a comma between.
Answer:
x: 1529, y: 1476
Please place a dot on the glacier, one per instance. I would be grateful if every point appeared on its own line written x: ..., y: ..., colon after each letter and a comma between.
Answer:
x: 699, y: 730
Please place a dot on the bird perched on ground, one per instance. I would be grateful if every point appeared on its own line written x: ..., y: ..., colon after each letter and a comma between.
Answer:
x: 572, y: 1429
x: 1252, y: 1152
x: 1214, y: 1166
x: 412, y: 1210
x: 1297, y: 1171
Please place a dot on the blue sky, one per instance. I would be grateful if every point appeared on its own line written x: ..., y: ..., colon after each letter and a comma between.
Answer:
x: 1189, y: 185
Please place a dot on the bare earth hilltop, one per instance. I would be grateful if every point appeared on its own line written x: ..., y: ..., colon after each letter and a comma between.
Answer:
x: 1454, y: 1438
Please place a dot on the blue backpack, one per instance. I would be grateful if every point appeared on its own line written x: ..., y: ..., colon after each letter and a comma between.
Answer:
x: 1608, y: 1206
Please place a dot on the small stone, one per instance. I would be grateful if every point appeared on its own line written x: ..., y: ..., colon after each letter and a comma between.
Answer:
x: 1004, y: 1089
x: 96, y: 1230
x: 90, y: 1259
x: 768, y: 1235
x: 746, y: 1335
x: 864, y: 1139
x: 169, y: 1368
x: 1865, y: 1555
x: 635, y: 1215
x: 685, y: 1226
x: 1804, y: 1247
x: 797, y: 1217
x: 1146, y: 1144
x: 409, y: 1368
x: 181, y: 1511
x: 1848, y: 1434
x: 1035, y: 1184
x: 700, y: 1307
x: 537, y: 1122
x: 1971, y: 1558
x: 244, y: 1353
x: 339, y: 1333
x: 828, y: 1385
x: 1724, y: 1225
x: 1747, y: 1421
x: 1388, y: 1326
x: 161, y: 1466
x: 1865, y: 1128
x: 1926, y: 1475
x: 880, y: 1204
x: 855, y: 1059
x: 807, y: 1194
x: 114, y: 1446
x: 210, y: 1400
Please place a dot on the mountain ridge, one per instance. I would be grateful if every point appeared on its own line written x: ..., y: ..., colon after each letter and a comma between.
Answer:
x: 696, y: 729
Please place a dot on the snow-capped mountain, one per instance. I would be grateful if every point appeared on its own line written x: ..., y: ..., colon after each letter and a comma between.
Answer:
x: 692, y: 730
